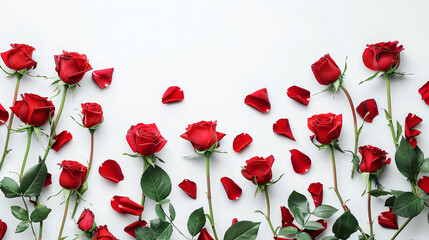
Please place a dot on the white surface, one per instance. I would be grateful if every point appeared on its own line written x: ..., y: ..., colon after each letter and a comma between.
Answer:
x: 217, y: 52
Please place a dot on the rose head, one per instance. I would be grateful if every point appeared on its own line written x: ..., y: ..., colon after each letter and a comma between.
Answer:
x: 102, y: 233
x: 3, y: 229
x: 258, y: 169
x: 71, y: 66
x: 33, y: 109
x: 203, y: 135
x: 19, y: 57
x: 373, y: 159
x: 326, y: 127
x: 92, y: 114
x: 73, y: 174
x: 145, y: 139
x: 326, y: 70
x: 86, y: 220
x: 382, y: 56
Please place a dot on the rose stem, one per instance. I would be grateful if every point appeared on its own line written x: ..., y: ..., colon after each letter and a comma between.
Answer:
x: 371, y: 230
x: 28, y: 215
x: 268, y: 212
x: 143, y: 195
x: 334, y: 172
x: 29, y: 132
x: 209, y: 194
x: 9, y: 126
x: 64, y: 217
x: 41, y: 230
x: 54, y: 127
x: 389, y: 109
x: 172, y: 223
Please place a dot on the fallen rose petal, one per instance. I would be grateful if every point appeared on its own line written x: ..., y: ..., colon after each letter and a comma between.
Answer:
x: 234, y: 221
x: 61, y: 139
x: 4, y: 115
x: 233, y: 191
x: 388, y: 220
x: 424, y: 91
x: 48, y: 180
x: 282, y: 127
x: 301, y: 163
x: 369, y: 107
x: 204, y: 235
x: 411, y: 121
x: 3, y: 229
x: 103, y: 77
x: 173, y: 94
x: 299, y: 94
x: 424, y: 184
x: 241, y: 141
x: 111, y: 170
x: 126, y: 205
x: 131, y: 229
x: 316, y: 191
x: 189, y: 187
x: 259, y: 100
x: 315, y: 233
x: 287, y: 218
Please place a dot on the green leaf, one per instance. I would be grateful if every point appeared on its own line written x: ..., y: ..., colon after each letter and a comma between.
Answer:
x: 407, y: 161
x: 424, y: 167
x: 398, y: 130
x: 19, y: 213
x: 408, y: 205
x: 160, y: 212
x: 390, y: 201
x: 172, y: 212
x: 388, y: 117
x: 330, y: 238
x: 345, y: 225
x: 303, y: 236
x: 196, y: 221
x: 313, y: 225
x: 288, y: 231
x: 22, y: 226
x: 324, y: 211
x: 299, y: 217
x: 10, y: 188
x: 370, y: 78
x: 164, y: 201
x: 156, y: 183
x: 40, y: 214
x: 38, y: 133
x: 144, y: 233
x: 297, y: 200
x: 243, y: 230
x: 396, y: 193
x: 161, y: 230
x: 33, y: 180
x: 379, y: 193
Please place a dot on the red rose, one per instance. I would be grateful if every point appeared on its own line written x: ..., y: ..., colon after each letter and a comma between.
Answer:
x: 258, y: 169
x: 326, y: 127
x: 86, y: 220
x: 73, y: 174
x: 382, y: 56
x: 131, y: 229
x: 373, y: 159
x: 33, y: 109
x: 92, y: 114
x: 326, y: 70
x: 19, y: 57
x: 71, y: 66
x: 145, y: 139
x: 203, y: 135
x: 102, y: 233
x: 3, y: 229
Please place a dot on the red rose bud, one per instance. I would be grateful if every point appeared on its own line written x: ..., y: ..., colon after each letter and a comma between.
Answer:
x: 131, y: 229
x: 73, y: 174
x: 33, y: 109
x: 111, y: 170
x: 203, y: 135
x: 301, y: 163
x: 145, y: 139
x: 204, y: 235
x: 125, y: 205
x: 411, y: 121
x: 326, y: 70
x: 71, y: 66
x: 3, y: 229
x: 103, y: 77
x: 388, y: 220
x: 259, y: 100
x: 282, y: 127
x: 19, y: 57
x: 4, y: 115
x: 424, y: 91
x: 326, y: 127
x: 173, y: 94
x: 369, y: 107
x: 48, y: 180
x: 86, y: 220
x: 61, y: 139
x: 92, y: 114
x: 424, y: 184
x: 382, y: 56
x: 258, y: 169
x: 102, y: 233
x: 241, y: 141
x: 189, y: 187
x: 316, y: 191
x: 233, y: 191
x: 299, y: 94
x: 373, y: 159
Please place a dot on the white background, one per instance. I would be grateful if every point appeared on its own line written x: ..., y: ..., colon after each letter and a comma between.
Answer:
x: 217, y: 52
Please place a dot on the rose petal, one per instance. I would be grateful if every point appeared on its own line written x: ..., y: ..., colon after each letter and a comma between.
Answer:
x: 282, y: 127
x: 287, y: 218
x: 316, y: 191
x: 48, y: 180
x: 424, y: 184
x: 299, y: 94
x: 111, y: 170
x: 369, y: 107
x: 234, y: 221
x: 103, y: 77
x: 411, y: 121
x: 189, y: 187
x: 126, y: 205
x: 388, y: 220
x: 204, y: 235
x: 259, y: 100
x: 424, y: 91
x: 131, y: 229
x: 173, y: 94
x: 4, y: 115
x: 233, y: 191
x: 241, y: 141
x: 61, y: 139
x: 301, y: 163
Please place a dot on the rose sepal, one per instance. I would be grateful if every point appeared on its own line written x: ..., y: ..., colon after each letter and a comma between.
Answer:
x: 19, y: 73
x: 390, y: 72
x: 261, y: 188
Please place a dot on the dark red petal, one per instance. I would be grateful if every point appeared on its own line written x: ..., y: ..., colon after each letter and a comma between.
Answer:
x: 287, y: 218
x: 369, y: 107
x: 424, y: 91
x: 234, y: 221
x: 126, y: 205
x: 424, y: 184
x: 233, y: 191
x: 48, y: 180
x: 411, y: 121
x: 282, y: 127
x: 259, y: 100
x: 299, y: 94
x: 388, y: 220
x: 368, y: 59
x: 111, y: 170
x: 173, y: 94
x: 316, y: 191
x: 301, y: 163
x: 131, y: 229
x: 189, y: 187
x: 103, y: 77
x: 61, y: 139
x: 4, y: 115
x: 204, y: 235
x: 241, y: 141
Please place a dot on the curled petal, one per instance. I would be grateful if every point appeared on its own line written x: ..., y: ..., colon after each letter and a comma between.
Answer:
x: 173, y: 94
x: 410, y: 122
x: 189, y: 187
x: 424, y: 91
x: 4, y: 115
x: 233, y: 191
x: 61, y: 139
x: 282, y: 127
x: 204, y: 235
x: 299, y: 94
x: 103, y: 77
x: 126, y: 205
x: 241, y: 141
x: 259, y: 100
x: 131, y: 229
x: 111, y: 170
x: 424, y: 184
x: 388, y: 220
x: 316, y: 191
x: 301, y: 163
x: 367, y: 108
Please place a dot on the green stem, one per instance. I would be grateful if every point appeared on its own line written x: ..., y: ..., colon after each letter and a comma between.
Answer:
x: 371, y: 230
x: 29, y: 132
x: 9, y: 126
x: 64, y: 217
x: 401, y: 228
x: 28, y: 215
x: 268, y: 212
x: 389, y: 110
x: 145, y: 165
x: 209, y: 194
x: 41, y: 230
x: 181, y: 233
